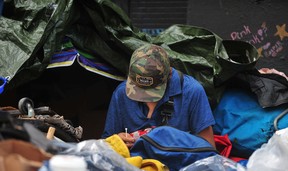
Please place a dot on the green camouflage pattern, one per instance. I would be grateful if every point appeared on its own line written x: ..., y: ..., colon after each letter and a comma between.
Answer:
x: 148, y: 74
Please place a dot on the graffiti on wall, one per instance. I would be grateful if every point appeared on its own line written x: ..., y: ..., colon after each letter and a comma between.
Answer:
x: 269, y: 41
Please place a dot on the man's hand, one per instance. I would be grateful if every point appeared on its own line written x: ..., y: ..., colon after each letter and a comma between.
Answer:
x: 127, y: 138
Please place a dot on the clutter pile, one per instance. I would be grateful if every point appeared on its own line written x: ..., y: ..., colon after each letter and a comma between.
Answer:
x: 32, y: 150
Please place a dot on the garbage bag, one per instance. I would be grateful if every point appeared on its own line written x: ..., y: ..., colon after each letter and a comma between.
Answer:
x: 214, y: 163
x: 99, y: 156
x: 271, y: 156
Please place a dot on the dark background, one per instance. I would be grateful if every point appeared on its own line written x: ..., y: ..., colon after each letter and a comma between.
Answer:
x: 254, y: 21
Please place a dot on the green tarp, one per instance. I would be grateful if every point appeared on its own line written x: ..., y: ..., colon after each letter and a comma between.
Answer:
x: 32, y: 31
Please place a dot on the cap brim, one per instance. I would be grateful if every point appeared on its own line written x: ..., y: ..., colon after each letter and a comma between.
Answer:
x: 144, y: 94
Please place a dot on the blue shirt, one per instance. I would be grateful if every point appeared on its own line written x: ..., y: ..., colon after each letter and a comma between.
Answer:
x: 192, y: 112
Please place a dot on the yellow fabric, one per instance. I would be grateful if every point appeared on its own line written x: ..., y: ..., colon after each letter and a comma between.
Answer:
x: 118, y: 145
x: 135, y: 161
x: 153, y: 165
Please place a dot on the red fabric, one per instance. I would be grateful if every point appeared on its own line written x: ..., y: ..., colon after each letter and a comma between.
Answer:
x: 139, y: 133
x: 223, y: 144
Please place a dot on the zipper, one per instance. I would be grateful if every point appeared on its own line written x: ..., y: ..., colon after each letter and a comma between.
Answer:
x: 177, y: 149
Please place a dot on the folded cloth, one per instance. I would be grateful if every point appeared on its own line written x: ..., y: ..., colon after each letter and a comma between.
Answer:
x: 120, y: 147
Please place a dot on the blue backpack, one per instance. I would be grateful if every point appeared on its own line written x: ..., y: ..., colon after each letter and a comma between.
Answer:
x: 174, y: 148
x: 247, y: 124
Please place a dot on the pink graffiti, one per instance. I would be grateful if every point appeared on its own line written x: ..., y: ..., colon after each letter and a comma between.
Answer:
x: 255, y: 39
x: 241, y: 34
x: 266, y: 46
x: 274, y: 50
x: 260, y: 32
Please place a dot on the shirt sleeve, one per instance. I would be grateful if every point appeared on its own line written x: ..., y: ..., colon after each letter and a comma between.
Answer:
x: 113, y: 123
x: 201, y: 114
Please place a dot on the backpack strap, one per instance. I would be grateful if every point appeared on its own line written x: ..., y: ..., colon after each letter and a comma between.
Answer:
x: 168, y: 107
x: 279, y: 117
x: 181, y: 76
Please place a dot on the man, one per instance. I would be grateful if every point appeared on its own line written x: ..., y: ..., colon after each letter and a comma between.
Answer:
x: 137, y: 103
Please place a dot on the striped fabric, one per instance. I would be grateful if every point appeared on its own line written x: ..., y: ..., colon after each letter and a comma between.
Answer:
x: 68, y: 54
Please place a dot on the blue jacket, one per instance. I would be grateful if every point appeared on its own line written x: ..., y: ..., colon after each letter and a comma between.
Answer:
x: 192, y: 112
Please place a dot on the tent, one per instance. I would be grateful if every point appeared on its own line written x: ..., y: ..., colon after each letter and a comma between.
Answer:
x: 71, y: 54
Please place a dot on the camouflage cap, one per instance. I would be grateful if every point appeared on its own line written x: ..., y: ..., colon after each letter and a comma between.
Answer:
x: 148, y: 74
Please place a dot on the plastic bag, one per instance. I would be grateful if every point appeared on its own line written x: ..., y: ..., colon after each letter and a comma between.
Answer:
x: 214, y: 163
x: 99, y: 156
x: 273, y: 155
